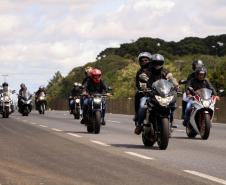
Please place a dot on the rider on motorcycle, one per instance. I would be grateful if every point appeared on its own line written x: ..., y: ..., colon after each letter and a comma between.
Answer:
x: 6, y: 89
x: 88, y: 70
x: 155, y: 72
x: 37, y: 94
x: 144, y: 59
x: 22, y: 91
x: 195, y: 64
x: 194, y: 84
x: 75, y: 91
x: 93, y: 85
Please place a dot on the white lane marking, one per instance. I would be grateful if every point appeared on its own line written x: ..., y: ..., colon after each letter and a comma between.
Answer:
x: 75, y: 135
x: 99, y: 143
x: 139, y: 155
x: 113, y: 121
x: 24, y: 120
x: 180, y: 130
x: 43, y: 126
x: 215, y: 179
x: 33, y: 123
x: 57, y: 130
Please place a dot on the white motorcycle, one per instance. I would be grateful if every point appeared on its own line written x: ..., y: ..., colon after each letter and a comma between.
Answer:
x: 6, y: 104
x: 202, y: 113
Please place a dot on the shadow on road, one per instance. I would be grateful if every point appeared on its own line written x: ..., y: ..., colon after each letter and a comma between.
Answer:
x: 135, y: 146
x: 77, y: 132
x: 176, y: 137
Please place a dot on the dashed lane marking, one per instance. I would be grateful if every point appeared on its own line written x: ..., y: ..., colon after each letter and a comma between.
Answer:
x: 57, y: 130
x: 211, y: 178
x: 99, y: 143
x: 180, y: 130
x: 33, y: 123
x: 75, y: 135
x: 139, y: 155
x: 43, y: 126
x: 114, y: 121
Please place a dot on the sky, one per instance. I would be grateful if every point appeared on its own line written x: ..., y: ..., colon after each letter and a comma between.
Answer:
x: 41, y: 37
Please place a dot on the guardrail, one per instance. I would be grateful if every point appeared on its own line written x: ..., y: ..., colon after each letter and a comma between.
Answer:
x: 126, y: 106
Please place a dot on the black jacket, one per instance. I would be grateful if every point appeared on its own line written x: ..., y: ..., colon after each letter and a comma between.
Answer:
x: 198, y: 84
x: 93, y: 88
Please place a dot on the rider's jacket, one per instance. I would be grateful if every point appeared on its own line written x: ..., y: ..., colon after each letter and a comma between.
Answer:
x: 92, y: 88
x: 198, y: 84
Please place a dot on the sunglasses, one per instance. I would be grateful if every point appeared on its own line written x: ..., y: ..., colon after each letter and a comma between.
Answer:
x: 144, y: 60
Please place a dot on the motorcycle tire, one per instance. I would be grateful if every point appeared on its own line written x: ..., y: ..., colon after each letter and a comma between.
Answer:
x: 90, y: 128
x: 6, y: 113
x: 97, y: 122
x: 163, y: 138
x: 191, y: 133
x: 206, y: 131
x: 147, y: 141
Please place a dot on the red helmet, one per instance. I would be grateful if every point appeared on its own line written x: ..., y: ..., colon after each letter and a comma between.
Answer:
x: 96, y: 75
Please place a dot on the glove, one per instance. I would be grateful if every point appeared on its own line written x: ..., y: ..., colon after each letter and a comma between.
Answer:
x: 143, y: 77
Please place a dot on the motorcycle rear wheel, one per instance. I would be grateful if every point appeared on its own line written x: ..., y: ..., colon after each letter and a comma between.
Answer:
x: 191, y: 133
x: 6, y: 113
x: 147, y: 141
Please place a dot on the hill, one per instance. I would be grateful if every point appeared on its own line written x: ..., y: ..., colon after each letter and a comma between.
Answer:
x: 119, y: 65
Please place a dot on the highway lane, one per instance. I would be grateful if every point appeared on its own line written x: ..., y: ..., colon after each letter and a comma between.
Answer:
x: 118, y: 143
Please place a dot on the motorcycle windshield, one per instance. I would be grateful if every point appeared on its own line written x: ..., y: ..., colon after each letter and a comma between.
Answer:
x: 204, y: 93
x: 26, y: 95
x: 163, y: 87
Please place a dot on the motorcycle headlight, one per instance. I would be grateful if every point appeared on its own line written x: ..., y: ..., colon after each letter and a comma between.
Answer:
x: 6, y: 99
x: 206, y: 103
x: 97, y: 100
x: 41, y: 97
x: 164, y: 101
x: 77, y: 100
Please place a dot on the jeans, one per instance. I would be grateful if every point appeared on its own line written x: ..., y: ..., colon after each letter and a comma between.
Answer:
x: 142, y: 110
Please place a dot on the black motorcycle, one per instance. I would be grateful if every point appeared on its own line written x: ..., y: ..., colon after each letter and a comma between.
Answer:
x: 25, y: 104
x: 95, y: 113
x: 160, y: 106
x: 75, y: 107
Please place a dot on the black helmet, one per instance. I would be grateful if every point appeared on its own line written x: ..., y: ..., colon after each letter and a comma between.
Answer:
x: 5, y: 84
x: 199, y: 71
x: 22, y: 86
x: 144, y: 59
x: 157, y: 61
x: 196, y: 64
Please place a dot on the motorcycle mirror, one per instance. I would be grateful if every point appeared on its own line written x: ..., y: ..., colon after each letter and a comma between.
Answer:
x: 182, y: 81
x: 221, y: 92
x: 109, y: 88
x: 13, y: 91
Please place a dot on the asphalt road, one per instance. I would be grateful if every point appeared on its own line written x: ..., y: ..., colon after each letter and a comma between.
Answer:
x: 54, y: 149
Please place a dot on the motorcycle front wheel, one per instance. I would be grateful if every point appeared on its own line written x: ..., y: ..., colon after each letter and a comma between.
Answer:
x: 163, y: 138
x: 205, y: 127
x: 97, y: 122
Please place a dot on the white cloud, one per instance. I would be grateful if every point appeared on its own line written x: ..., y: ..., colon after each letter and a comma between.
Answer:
x: 49, y: 35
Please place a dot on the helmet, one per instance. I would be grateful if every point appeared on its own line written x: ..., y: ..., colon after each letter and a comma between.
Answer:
x: 41, y: 87
x: 88, y: 70
x: 22, y: 86
x: 75, y: 84
x: 200, y: 73
x: 157, y: 61
x: 5, y: 84
x: 196, y: 64
x: 144, y: 59
x: 96, y: 75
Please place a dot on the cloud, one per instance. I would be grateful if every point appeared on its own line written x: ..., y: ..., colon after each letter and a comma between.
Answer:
x: 41, y: 37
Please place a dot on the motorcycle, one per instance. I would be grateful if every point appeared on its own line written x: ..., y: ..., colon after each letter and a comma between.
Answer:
x: 202, y: 113
x: 25, y: 104
x: 41, y: 103
x: 159, y: 114
x: 76, y: 110
x: 6, y: 104
x: 95, y: 113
